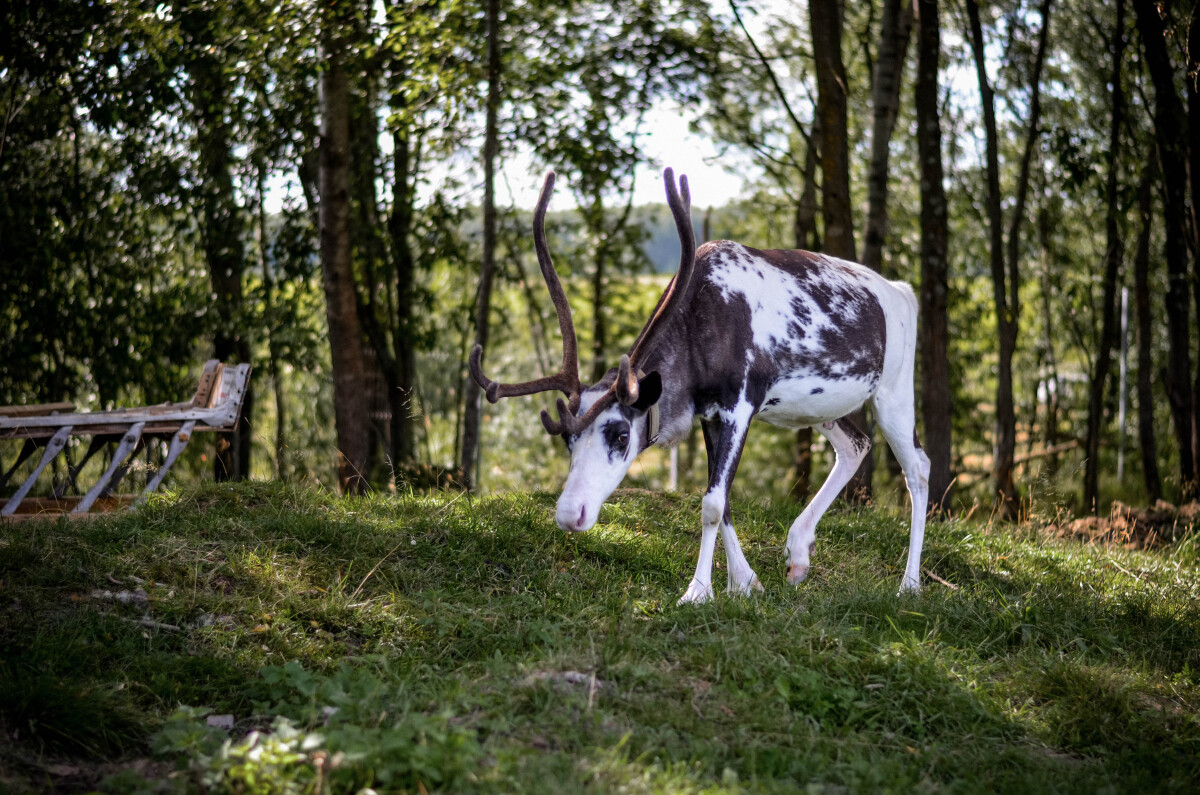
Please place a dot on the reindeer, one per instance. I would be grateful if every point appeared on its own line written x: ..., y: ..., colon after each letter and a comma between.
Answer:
x: 794, y: 338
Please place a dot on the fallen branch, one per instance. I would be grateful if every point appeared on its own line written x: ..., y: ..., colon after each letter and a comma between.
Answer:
x: 938, y: 579
x: 150, y: 623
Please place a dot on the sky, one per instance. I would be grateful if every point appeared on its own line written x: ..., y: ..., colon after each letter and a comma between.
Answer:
x: 668, y: 143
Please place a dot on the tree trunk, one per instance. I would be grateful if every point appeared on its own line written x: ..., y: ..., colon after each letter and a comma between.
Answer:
x: 885, y: 101
x: 221, y: 234
x: 1050, y: 435
x: 345, y: 334
x: 1193, y: 95
x: 1112, y: 263
x: 1170, y: 130
x: 826, y: 23
x: 599, y: 327
x: 825, y: 20
x: 471, y: 420
x: 403, y: 385
x: 936, y: 403
x: 272, y: 343
x: 1005, y: 281
x: 369, y: 253
x: 806, y: 238
x: 1145, y: 341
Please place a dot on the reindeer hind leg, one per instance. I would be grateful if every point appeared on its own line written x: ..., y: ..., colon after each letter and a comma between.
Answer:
x: 896, y: 414
x: 850, y: 445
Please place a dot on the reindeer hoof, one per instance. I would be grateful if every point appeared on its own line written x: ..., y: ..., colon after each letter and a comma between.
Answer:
x: 797, y: 573
x: 746, y: 589
x: 696, y: 594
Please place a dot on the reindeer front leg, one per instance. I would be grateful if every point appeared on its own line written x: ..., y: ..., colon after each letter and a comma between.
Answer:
x: 723, y: 440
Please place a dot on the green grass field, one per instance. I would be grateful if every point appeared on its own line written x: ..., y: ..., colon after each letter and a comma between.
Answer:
x: 460, y: 644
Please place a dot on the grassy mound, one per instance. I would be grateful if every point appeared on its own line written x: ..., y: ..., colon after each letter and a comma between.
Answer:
x: 256, y: 638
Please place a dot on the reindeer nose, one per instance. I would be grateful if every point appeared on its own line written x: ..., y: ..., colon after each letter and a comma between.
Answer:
x: 569, y: 521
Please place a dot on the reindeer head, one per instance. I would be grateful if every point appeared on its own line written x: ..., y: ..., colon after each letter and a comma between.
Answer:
x: 608, y: 424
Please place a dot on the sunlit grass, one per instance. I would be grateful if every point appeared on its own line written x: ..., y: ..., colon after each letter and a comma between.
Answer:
x: 467, y: 644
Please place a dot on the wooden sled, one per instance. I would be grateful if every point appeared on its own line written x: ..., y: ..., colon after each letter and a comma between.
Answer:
x: 216, y: 407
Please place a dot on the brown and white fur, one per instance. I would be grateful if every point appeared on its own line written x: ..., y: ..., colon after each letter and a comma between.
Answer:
x: 790, y: 337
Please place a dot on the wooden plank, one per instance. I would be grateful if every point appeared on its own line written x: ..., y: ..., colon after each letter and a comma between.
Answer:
x: 208, y: 377
x: 53, y: 448
x: 155, y: 428
x: 35, y: 409
x: 51, y: 508
x: 128, y: 442
x: 215, y: 416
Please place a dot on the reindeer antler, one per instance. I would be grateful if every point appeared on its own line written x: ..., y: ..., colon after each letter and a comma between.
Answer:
x: 625, y: 389
x: 567, y: 378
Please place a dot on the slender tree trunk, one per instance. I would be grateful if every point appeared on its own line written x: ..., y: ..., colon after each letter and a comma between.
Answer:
x: 1050, y: 434
x: 1170, y: 131
x: 369, y: 253
x: 885, y: 101
x: 471, y: 420
x: 345, y: 334
x: 936, y: 403
x: 806, y: 238
x: 1112, y: 263
x: 1005, y: 433
x: 221, y: 236
x: 1193, y: 95
x: 599, y: 326
x: 272, y: 343
x: 403, y: 390
x: 1006, y: 276
x: 825, y: 20
x: 1145, y: 341
x: 1146, y: 438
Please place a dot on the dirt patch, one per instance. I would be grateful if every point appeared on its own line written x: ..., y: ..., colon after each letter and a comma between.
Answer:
x: 1133, y: 528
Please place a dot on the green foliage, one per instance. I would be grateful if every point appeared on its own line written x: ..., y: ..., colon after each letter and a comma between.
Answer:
x: 339, y: 732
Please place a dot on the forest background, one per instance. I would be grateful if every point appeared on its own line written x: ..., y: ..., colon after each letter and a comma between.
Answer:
x: 319, y: 189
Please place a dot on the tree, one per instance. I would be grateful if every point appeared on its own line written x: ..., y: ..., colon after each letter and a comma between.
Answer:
x: 210, y: 96
x: 894, y: 35
x: 1112, y: 263
x: 345, y: 333
x: 936, y: 405
x: 1170, y: 135
x: 487, y: 267
x: 1145, y: 343
x: 1006, y: 275
x: 825, y: 22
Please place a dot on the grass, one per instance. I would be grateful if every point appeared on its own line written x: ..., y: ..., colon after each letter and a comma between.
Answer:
x: 460, y: 644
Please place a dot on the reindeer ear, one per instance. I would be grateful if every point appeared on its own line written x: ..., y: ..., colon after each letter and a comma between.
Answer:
x: 649, y: 391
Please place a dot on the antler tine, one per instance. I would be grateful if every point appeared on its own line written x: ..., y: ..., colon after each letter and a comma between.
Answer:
x: 571, y: 424
x: 626, y: 386
x: 567, y: 378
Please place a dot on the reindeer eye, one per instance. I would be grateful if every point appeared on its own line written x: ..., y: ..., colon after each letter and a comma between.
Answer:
x: 616, y: 435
